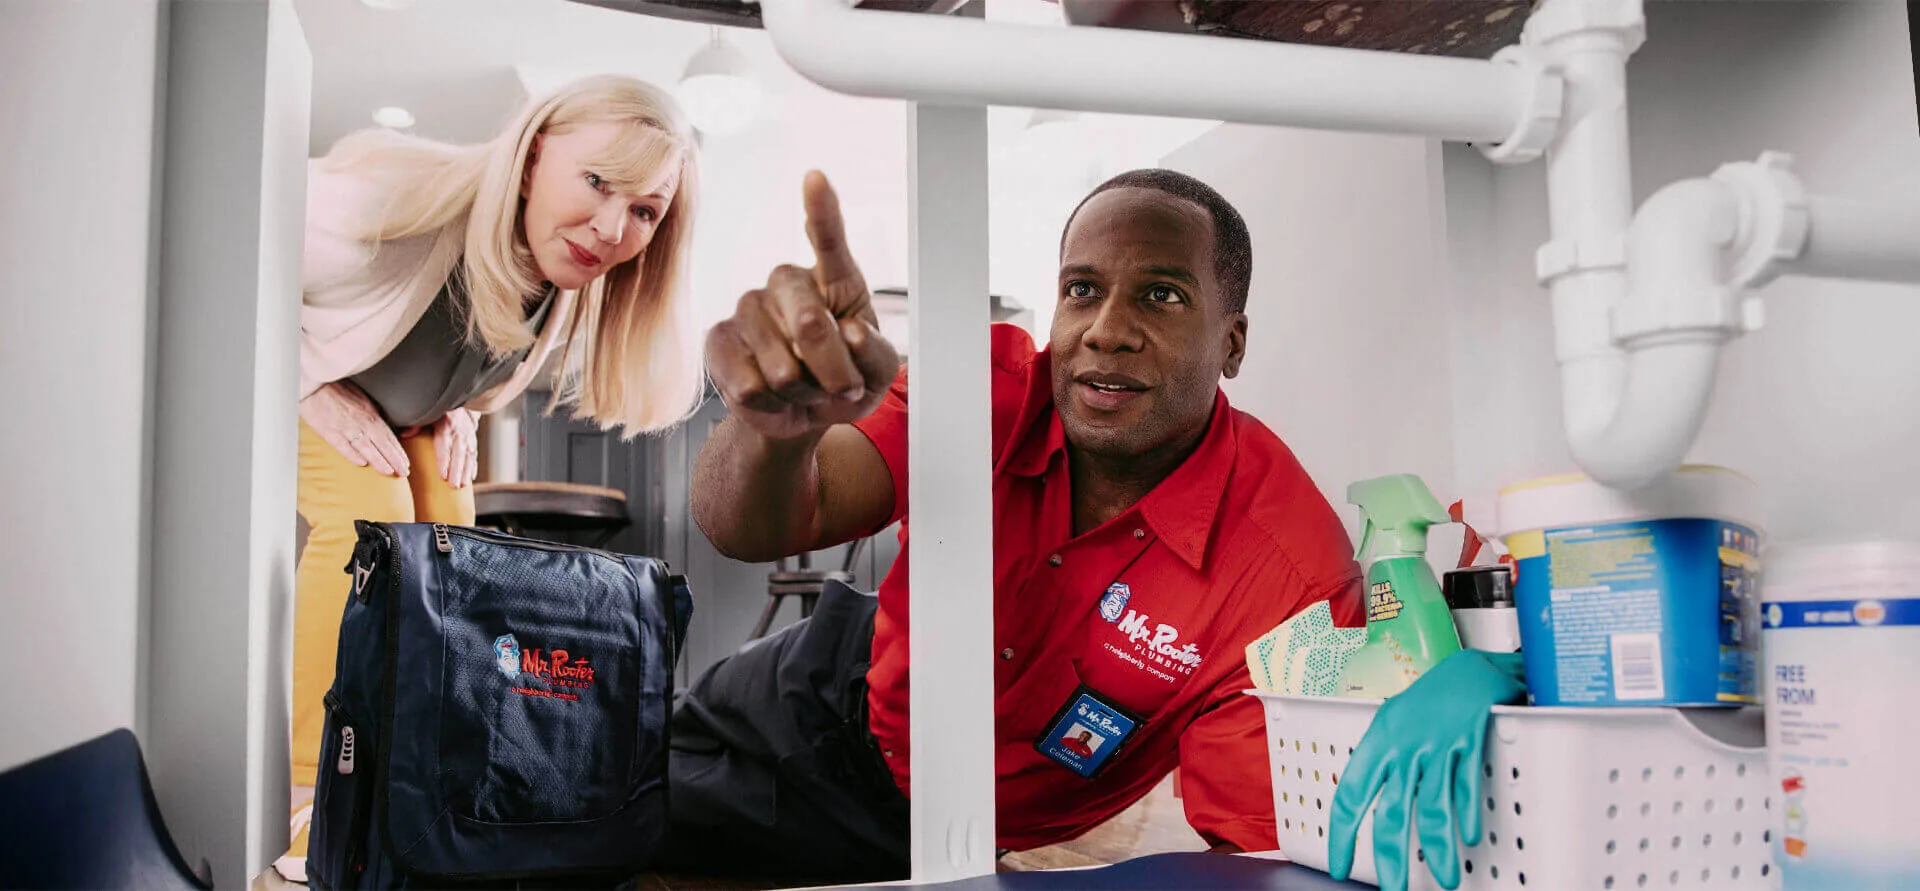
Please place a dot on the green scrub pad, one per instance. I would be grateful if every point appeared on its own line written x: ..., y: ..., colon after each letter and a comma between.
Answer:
x: 1305, y: 655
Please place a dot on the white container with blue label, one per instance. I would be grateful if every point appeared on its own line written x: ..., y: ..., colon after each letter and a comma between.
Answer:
x: 1636, y: 598
x: 1843, y: 711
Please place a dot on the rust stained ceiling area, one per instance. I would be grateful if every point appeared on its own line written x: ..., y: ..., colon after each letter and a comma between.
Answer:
x: 1469, y: 28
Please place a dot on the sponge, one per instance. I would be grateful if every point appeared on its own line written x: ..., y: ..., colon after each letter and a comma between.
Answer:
x: 1305, y: 655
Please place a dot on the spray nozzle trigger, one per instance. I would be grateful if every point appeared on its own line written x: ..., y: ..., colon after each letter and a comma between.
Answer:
x: 1396, y: 511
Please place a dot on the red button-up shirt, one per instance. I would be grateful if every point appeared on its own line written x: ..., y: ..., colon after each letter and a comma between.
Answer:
x: 1236, y: 540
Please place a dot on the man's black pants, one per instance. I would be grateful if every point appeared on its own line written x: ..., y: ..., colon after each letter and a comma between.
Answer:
x: 772, y: 768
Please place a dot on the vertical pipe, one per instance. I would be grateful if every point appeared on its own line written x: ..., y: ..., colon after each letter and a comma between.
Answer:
x: 949, y: 461
x: 1590, y: 193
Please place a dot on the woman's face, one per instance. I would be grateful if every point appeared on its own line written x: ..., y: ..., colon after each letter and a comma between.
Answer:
x: 575, y: 221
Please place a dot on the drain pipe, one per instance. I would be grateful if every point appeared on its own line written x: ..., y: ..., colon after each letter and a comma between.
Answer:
x: 1631, y: 406
x: 1632, y: 412
x: 1858, y: 239
x: 944, y: 60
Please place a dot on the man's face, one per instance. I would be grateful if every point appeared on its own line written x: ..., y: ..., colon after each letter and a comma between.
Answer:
x: 1141, y: 335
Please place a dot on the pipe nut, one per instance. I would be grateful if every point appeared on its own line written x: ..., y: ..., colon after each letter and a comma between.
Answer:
x: 1539, y: 119
x: 1773, y: 222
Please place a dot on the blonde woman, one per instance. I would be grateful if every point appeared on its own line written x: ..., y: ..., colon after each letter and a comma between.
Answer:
x: 439, y: 280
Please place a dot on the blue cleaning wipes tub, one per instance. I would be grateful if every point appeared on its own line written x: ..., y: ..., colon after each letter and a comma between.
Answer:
x: 1638, y: 598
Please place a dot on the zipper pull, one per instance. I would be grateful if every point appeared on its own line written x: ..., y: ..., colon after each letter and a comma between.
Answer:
x: 344, y: 764
x: 441, y: 540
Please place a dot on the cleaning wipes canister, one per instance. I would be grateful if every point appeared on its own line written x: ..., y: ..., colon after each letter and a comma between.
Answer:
x: 1842, y: 644
x: 1642, y: 597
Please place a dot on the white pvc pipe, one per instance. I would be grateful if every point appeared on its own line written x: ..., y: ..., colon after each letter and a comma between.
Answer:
x: 1632, y: 414
x: 1589, y: 197
x: 1657, y: 401
x: 1629, y: 417
x: 1678, y: 252
x: 952, y: 61
x: 1876, y: 240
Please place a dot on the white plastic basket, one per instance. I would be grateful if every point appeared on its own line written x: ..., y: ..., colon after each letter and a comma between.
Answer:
x: 1614, y: 799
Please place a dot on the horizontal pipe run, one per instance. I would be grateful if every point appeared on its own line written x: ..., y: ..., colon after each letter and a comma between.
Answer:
x: 958, y: 61
x: 1856, y: 239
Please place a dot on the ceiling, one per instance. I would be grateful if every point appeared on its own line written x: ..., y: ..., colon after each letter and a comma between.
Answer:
x: 451, y: 62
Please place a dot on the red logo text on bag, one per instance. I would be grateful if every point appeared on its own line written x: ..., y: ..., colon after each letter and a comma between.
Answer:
x: 535, y: 672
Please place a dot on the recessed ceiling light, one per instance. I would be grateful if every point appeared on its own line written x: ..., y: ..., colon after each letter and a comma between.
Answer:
x: 388, y: 4
x: 393, y: 117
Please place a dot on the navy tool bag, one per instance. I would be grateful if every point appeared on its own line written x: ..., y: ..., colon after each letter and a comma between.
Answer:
x: 498, y: 712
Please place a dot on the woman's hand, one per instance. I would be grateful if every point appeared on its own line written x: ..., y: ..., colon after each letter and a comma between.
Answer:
x: 456, y: 440
x: 348, y: 421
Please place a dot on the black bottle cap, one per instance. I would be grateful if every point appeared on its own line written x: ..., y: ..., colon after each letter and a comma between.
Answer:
x: 1479, y: 587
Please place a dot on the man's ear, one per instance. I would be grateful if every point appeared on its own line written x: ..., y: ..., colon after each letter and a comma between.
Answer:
x: 1236, y: 345
x: 526, y: 170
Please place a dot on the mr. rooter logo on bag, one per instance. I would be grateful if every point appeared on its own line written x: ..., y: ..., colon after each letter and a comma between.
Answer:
x: 534, y: 672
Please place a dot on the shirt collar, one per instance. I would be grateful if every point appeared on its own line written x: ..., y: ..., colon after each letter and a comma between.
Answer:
x: 1182, y: 509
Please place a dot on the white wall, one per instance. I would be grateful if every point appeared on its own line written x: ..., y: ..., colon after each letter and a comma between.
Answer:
x: 223, y: 517
x: 1348, y: 347
x: 751, y: 218
x: 75, y: 312
x: 1823, y: 407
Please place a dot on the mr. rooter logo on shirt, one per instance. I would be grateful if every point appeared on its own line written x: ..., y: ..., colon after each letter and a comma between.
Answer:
x: 535, y: 672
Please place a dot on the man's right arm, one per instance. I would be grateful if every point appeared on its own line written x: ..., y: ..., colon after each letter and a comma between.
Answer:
x: 759, y: 499
x: 798, y: 362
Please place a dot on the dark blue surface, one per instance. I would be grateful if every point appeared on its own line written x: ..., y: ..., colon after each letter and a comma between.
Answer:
x: 1163, y: 871
x: 85, y: 817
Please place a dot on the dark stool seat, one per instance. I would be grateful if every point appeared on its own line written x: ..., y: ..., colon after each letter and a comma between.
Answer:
x: 552, y: 507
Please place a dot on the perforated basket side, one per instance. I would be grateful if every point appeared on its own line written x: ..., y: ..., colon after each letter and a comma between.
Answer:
x: 1575, y: 798
x: 1309, y: 740
x: 1609, y: 799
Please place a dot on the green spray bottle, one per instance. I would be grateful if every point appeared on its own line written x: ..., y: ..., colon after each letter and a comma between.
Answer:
x: 1409, y: 628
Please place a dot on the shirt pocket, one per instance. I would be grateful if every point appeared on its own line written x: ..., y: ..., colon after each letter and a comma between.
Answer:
x: 1026, y: 709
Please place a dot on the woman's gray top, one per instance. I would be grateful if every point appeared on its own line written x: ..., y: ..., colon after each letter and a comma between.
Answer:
x: 436, y: 368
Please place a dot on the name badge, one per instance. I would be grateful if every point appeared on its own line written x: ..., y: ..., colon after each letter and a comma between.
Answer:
x: 1087, y: 732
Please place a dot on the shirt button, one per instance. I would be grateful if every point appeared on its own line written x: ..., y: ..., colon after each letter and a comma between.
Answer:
x: 1139, y: 533
x: 1054, y: 560
x: 889, y: 753
x: 1006, y: 653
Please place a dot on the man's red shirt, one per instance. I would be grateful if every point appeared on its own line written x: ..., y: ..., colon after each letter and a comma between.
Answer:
x: 1234, y: 542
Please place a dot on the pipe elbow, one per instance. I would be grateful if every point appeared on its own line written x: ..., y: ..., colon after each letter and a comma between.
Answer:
x: 803, y: 33
x: 1631, y: 419
x: 1677, y: 250
x: 1633, y: 411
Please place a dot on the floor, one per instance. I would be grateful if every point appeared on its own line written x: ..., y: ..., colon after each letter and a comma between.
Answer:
x: 1154, y: 825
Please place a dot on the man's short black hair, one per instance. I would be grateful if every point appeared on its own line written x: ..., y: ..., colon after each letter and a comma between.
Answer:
x: 1232, y: 248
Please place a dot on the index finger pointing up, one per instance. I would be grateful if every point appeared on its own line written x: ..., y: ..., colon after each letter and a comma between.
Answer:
x: 834, y: 270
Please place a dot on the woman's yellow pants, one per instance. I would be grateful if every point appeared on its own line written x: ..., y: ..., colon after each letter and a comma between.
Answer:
x: 333, y: 493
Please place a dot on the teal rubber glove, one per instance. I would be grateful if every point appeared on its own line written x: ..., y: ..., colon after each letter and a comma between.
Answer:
x: 1423, y: 753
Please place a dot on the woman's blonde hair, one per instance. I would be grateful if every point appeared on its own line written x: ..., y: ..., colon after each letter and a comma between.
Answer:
x: 635, y: 367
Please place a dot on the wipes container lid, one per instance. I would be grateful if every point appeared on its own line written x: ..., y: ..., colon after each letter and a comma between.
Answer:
x: 1841, y: 570
x: 1695, y: 490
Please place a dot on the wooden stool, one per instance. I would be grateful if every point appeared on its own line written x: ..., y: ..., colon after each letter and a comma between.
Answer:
x: 558, y: 507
